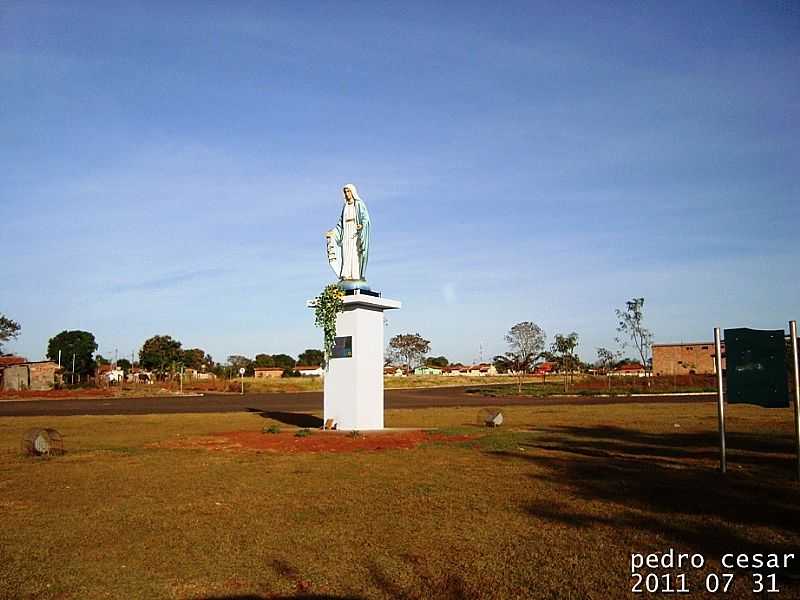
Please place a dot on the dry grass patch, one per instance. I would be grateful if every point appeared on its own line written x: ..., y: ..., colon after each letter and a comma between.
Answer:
x: 551, y: 507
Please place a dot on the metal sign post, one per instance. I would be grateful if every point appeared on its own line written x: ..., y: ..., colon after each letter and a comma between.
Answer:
x: 720, y: 402
x: 241, y: 376
x: 796, y: 371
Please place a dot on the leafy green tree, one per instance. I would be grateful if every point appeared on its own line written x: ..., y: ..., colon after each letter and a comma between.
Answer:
x: 437, y: 361
x: 9, y: 330
x: 81, y: 344
x: 161, y: 354
x: 125, y: 365
x: 101, y: 360
x: 632, y: 331
x: 284, y: 361
x: 196, y: 358
x: 264, y: 361
x: 237, y: 361
x: 563, y: 347
x: 311, y: 357
x: 409, y: 348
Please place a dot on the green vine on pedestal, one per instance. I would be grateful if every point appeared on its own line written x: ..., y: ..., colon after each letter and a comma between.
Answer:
x: 327, y: 305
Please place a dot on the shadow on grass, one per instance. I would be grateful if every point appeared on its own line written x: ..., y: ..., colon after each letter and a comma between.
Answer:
x: 273, y: 597
x: 743, y: 448
x: 303, y: 420
x: 450, y: 586
x: 667, y: 485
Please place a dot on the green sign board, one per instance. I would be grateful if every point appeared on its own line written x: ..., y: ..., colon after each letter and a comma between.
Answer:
x: 756, y: 367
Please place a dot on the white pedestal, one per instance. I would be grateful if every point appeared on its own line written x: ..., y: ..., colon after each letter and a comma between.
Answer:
x: 354, y: 385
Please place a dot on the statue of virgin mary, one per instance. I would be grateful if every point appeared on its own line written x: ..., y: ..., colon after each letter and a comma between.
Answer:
x: 348, y: 243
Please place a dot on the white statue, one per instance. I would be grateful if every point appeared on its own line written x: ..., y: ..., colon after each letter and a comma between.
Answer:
x: 348, y: 243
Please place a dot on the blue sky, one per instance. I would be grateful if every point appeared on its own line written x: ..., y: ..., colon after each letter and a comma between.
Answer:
x: 170, y: 168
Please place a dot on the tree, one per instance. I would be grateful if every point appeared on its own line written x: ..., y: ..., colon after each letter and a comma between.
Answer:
x: 436, y: 361
x: 311, y: 357
x: 237, y: 361
x: 409, y: 348
x: 632, y: 331
x: 101, y: 360
x: 264, y: 361
x: 563, y: 348
x: 124, y: 364
x: 161, y: 354
x: 81, y: 344
x: 501, y: 363
x: 525, y: 342
x: 196, y: 358
x: 284, y: 361
x: 606, y: 359
x: 9, y: 330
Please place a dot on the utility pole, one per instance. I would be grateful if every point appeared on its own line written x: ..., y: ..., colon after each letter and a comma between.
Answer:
x: 73, y: 368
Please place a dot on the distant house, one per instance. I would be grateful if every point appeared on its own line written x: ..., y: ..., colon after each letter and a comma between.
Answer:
x: 480, y: 370
x: 114, y: 375
x: 425, y: 370
x: 10, y: 359
x: 198, y: 374
x: 310, y: 371
x: 629, y: 370
x: 139, y: 376
x: 16, y: 373
x: 109, y: 374
x: 483, y: 370
x: 454, y: 370
x: 268, y: 372
x: 394, y: 372
x: 544, y: 368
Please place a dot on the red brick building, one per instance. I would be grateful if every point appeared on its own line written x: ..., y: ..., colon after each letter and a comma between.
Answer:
x: 685, y: 359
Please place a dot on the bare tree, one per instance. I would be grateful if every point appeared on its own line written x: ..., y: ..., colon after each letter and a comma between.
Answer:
x: 632, y: 331
x: 525, y: 342
x: 606, y: 359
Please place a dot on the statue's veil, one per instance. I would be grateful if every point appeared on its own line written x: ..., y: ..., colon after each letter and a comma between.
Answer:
x: 353, y: 191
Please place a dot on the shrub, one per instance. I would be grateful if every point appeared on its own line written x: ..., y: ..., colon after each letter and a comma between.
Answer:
x: 302, y: 433
x: 271, y: 429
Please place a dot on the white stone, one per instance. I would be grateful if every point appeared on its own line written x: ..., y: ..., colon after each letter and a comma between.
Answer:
x: 353, y: 395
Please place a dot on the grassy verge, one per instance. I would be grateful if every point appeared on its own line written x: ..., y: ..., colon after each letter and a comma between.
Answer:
x: 593, y: 386
x: 549, y: 507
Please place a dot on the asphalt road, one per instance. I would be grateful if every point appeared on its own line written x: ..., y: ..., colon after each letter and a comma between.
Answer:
x: 299, y: 402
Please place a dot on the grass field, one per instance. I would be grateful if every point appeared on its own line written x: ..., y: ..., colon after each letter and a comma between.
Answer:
x: 550, y: 506
x: 311, y: 384
x: 587, y: 385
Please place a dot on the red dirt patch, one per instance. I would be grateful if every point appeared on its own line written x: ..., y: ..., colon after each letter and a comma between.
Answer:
x: 54, y: 394
x: 318, y: 441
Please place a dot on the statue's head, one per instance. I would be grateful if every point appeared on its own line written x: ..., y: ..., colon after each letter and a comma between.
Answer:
x: 350, y: 193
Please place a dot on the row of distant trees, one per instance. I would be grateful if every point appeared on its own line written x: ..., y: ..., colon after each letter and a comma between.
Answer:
x: 526, y: 341
x: 161, y: 354
x: 527, y: 347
